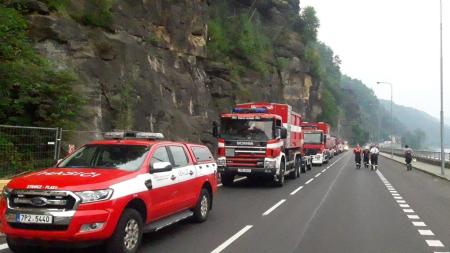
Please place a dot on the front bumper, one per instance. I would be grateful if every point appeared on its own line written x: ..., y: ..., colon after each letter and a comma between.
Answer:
x: 66, y: 225
x: 317, y: 159
x: 245, y: 171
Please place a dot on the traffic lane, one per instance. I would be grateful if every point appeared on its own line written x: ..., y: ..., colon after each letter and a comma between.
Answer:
x: 234, y: 208
x: 344, y: 210
x: 428, y: 195
x: 281, y: 229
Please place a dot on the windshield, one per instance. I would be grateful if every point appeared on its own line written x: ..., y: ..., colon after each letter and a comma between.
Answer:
x: 248, y: 129
x: 124, y: 157
x: 313, y: 138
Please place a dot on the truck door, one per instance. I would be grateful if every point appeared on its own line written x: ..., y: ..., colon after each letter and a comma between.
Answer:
x: 164, y: 191
x: 186, y: 174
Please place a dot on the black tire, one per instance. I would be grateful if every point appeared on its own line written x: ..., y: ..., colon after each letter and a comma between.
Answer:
x: 130, y: 220
x: 203, y: 206
x: 227, y: 179
x: 16, y: 246
x: 295, y: 173
x: 279, y: 181
x: 309, y: 167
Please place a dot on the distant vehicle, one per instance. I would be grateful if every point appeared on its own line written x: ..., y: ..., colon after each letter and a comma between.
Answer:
x: 109, y: 192
x: 260, y: 140
x: 316, y: 139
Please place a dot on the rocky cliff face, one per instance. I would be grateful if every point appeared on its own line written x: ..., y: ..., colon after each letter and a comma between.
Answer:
x: 149, y: 68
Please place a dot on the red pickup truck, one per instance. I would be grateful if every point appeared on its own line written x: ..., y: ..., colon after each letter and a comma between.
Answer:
x: 109, y: 192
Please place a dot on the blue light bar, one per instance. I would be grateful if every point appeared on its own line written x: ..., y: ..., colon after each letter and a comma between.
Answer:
x: 250, y: 110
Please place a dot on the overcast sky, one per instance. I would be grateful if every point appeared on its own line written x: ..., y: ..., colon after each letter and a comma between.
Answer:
x: 395, y: 41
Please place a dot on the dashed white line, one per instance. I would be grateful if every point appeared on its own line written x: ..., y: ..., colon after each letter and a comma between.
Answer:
x: 231, y: 239
x: 425, y: 232
x: 395, y: 194
x: 318, y: 174
x: 397, y: 197
x: 273, y: 207
x: 400, y: 201
x: 309, y: 181
x: 324, y: 170
x: 434, y: 243
x: 413, y: 217
x: 419, y: 224
x: 408, y: 210
x: 404, y: 205
x: 296, y: 190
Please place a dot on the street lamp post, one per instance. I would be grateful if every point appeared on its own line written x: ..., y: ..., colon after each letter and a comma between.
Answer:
x: 392, y: 121
x: 442, y: 96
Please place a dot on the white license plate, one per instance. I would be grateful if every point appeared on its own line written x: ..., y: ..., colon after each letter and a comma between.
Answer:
x: 34, y: 219
x: 245, y: 170
x: 229, y: 152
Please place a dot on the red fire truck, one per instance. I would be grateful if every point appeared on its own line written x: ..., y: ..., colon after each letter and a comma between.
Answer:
x: 316, y: 135
x: 260, y: 139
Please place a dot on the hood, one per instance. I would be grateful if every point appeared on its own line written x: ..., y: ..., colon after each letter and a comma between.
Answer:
x: 70, y: 179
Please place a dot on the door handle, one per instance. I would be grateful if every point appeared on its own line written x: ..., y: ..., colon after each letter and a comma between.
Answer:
x: 173, y: 177
x: 148, y: 184
x: 191, y: 172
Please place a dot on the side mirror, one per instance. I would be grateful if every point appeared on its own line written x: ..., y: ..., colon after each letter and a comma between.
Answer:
x: 160, y: 167
x: 281, y: 133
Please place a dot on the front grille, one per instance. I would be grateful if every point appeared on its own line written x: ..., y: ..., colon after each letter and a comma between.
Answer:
x: 45, y: 227
x: 309, y: 152
x: 32, y: 199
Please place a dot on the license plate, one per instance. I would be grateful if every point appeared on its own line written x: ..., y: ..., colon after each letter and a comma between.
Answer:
x: 229, y: 152
x: 34, y: 219
x: 245, y: 170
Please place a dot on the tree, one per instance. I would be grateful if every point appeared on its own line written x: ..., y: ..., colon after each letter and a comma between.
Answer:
x: 310, y: 24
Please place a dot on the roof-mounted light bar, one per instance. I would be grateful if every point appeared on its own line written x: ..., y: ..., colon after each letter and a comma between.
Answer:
x: 250, y: 110
x: 133, y: 135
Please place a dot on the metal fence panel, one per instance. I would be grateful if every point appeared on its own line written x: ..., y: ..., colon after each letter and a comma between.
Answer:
x: 26, y: 148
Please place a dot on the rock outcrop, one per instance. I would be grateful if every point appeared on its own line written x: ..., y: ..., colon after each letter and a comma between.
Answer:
x: 149, y: 68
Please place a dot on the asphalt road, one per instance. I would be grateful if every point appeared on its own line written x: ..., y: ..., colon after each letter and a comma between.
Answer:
x: 339, y: 210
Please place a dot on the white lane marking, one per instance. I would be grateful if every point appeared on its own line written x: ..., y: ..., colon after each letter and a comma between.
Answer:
x: 408, y: 210
x: 231, y: 239
x: 273, y: 207
x: 324, y: 170
x: 395, y: 194
x: 425, y: 232
x: 318, y: 174
x: 4, y: 246
x: 419, y: 224
x: 296, y: 190
x: 397, y: 197
x: 404, y: 205
x: 434, y: 243
x: 400, y: 201
x: 393, y: 191
x: 414, y: 217
x: 309, y: 181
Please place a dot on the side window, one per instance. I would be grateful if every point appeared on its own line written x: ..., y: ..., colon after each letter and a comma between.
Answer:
x: 179, y: 156
x: 160, y: 155
x: 202, y: 154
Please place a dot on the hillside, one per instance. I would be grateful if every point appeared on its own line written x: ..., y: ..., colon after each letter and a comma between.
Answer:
x: 414, y: 119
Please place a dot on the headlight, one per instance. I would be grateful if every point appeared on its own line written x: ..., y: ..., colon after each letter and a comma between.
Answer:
x: 221, y: 162
x: 270, y: 164
x: 94, y: 196
x: 5, y: 192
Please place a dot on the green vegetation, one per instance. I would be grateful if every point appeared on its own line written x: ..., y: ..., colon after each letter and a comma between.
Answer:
x: 98, y: 13
x: 239, y: 40
x: 32, y: 91
x: 308, y: 25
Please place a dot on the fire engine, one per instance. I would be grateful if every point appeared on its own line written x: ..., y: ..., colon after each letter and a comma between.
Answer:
x: 109, y: 192
x: 260, y: 139
x: 316, y: 139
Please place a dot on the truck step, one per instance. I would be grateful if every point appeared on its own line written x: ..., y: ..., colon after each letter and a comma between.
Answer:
x: 158, y: 225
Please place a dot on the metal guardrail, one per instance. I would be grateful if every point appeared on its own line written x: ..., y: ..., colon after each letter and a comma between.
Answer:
x: 421, y: 155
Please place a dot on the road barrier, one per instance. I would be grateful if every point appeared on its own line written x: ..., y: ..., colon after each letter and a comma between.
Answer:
x: 24, y: 149
x: 430, y: 157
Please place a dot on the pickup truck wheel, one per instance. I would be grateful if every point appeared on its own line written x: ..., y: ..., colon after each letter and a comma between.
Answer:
x: 202, y: 208
x: 16, y: 247
x: 279, y: 182
x: 128, y: 234
x: 226, y: 179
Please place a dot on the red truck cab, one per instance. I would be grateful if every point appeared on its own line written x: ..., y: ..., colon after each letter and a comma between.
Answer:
x: 109, y: 192
x: 260, y: 140
x: 316, y: 139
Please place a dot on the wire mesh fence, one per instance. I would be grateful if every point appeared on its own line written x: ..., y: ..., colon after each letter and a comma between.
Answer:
x: 26, y: 148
